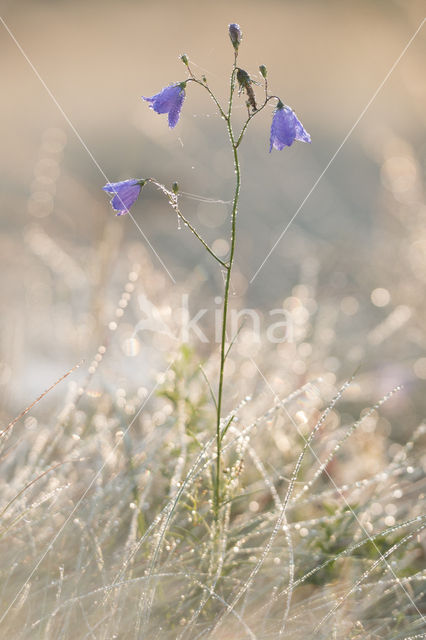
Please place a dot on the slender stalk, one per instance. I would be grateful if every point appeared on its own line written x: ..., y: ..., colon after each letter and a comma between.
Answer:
x: 235, y: 142
x: 223, y: 353
x: 197, y: 235
x: 173, y: 202
x: 209, y: 91
x: 251, y: 116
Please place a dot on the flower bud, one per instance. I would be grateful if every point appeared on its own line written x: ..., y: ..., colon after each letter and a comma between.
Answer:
x: 263, y: 70
x: 175, y: 188
x: 184, y: 59
x: 235, y: 35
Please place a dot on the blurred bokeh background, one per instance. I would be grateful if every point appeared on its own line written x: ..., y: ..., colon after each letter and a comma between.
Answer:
x: 72, y: 82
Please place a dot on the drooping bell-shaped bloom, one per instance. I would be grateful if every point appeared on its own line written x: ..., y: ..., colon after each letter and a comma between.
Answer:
x: 169, y: 100
x: 125, y: 194
x: 286, y: 128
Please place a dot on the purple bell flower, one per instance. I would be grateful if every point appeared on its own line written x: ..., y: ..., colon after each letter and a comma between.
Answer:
x: 125, y: 194
x: 169, y: 100
x: 286, y: 128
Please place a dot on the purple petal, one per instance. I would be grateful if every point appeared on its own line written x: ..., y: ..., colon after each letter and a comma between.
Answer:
x: 283, y: 130
x: 113, y: 187
x: 162, y: 102
x: 286, y: 128
x: 174, y: 112
x: 301, y: 134
x: 169, y: 100
x: 125, y: 194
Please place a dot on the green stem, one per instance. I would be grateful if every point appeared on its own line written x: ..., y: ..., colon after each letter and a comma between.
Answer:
x: 223, y: 353
x: 173, y: 203
x: 251, y: 116
x: 209, y: 91
x: 228, y: 270
x: 197, y: 235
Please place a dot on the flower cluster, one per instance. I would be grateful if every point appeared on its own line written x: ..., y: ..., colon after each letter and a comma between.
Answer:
x: 285, y: 127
